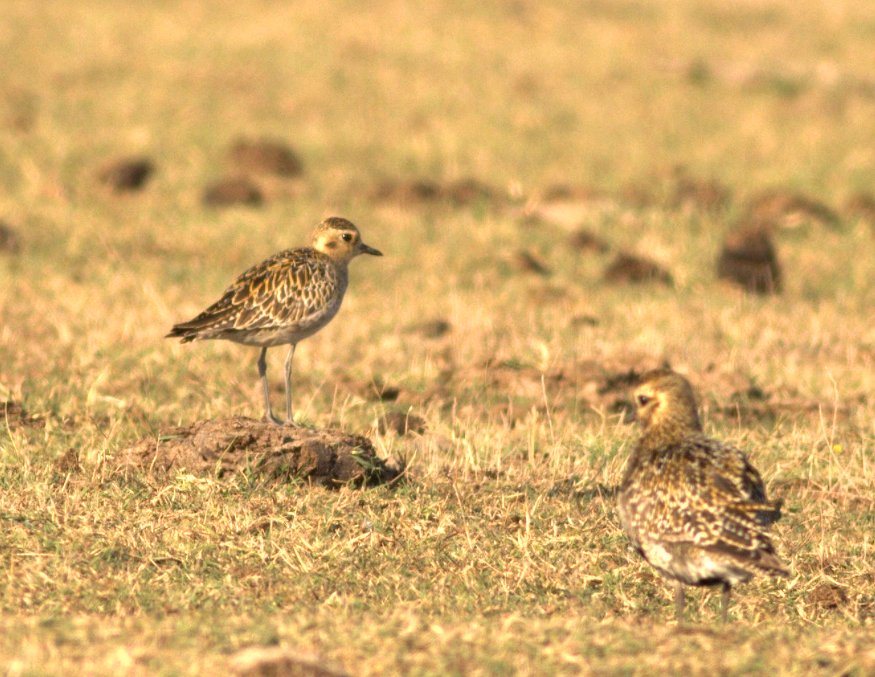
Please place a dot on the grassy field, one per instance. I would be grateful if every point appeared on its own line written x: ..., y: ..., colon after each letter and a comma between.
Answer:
x: 501, y: 553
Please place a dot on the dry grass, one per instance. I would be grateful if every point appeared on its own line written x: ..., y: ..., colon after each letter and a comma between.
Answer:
x: 440, y: 131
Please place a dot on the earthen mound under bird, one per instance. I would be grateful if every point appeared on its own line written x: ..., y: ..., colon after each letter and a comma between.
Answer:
x: 694, y: 508
x: 283, y: 299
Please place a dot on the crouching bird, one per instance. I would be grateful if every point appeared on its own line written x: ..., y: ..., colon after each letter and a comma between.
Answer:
x: 694, y: 508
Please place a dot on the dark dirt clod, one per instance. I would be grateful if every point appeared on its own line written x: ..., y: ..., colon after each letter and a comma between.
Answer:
x: 68, y: 462
x: 861, y: 205
x: 586, y: 240
x: 788, y: 210
x: 460, y: 192
x: 529, y: 262
x: 265, y: 156
x: 406, y: 192
x: 431, y: 328
x: 827, y: 596
x: 401, y: 423
x: 236, y: 190
x: 631, y: 269
x: 703, y: 194
x: 272, y: 661
x: 748, y: 258
x: 12, y: 414
x: 229, y: 445
x: 126, y: 174
x: 9, y: 240
x: 563, y: 191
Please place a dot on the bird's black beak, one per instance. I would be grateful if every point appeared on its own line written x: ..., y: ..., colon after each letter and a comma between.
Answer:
x: 630, y: 416
x: 365, y: 249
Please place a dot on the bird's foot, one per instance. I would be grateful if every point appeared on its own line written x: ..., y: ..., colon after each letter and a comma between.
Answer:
x: 270, y: 418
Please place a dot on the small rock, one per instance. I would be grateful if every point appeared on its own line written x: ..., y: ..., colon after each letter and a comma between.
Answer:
x: 232, y: 191
x: 631, y: 269
x: 265, y: 156
x: 126, y: 174
x: 748, y: 258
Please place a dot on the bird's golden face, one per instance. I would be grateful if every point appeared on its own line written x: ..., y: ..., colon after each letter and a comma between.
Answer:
x: 341, y: 240
x: 665, y: 398
x: 649, y: 404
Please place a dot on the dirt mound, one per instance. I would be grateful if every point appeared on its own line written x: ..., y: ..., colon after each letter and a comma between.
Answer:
x: 9, y: 240
x: 126, y: 174
x: 788, y: 210
x: 235, y: 190
x: 631, y: 269
x: 222, y: 446
x: 417, y: 191
x: 748, y: 258
x: 13, y: 416
x: 272, y: 661
x: 585, y: 240
x: 265, y: 156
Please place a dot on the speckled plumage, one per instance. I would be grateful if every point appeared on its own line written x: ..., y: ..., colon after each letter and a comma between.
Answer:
x: 283, y: 299
x: 694, y: 508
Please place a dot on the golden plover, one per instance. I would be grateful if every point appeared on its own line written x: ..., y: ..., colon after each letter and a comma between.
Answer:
x: 694, y: 508
x: 283, y: 299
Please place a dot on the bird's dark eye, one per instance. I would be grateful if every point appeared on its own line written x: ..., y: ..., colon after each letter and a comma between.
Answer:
x: 347, y: 237
x: 643, y: 400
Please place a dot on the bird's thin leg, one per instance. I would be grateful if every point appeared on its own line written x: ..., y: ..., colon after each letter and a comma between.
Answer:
x: 727, y: 591
x: 289, y: 419
x: 679, y: 601
x: 262, y: 372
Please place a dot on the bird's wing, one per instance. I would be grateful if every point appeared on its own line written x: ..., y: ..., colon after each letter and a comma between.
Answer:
x: 286, y: 288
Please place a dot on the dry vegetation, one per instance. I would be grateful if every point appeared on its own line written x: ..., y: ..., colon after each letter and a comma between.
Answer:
x: 473, y: 144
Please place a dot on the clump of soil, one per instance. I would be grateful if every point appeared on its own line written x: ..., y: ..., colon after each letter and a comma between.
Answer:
x: 265, y: 156
x: 401, y: 423
x: 585, y: 240
x: 861, y: 205
x: 827, y: 596
x: 431, y: 328
x: 748, y: 259
x: 126, y: 174
x: 9, y: 240
x: 274, y: 661
x: 631, y: 269
x: 239, y: 444
x: 528, y: 262
x: 410, y: 192
x: 13, y: 415
x: 563, y: 191
x: 235, y: 190
x: 703, y: 194
x: 788, y: 210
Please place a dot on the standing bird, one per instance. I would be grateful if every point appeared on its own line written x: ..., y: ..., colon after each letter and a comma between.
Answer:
x: 694, y: 508
x: 283, y: 299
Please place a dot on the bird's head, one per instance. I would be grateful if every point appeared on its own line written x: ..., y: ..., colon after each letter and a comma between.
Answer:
x: 341, y: 240
x: 665, y: 404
